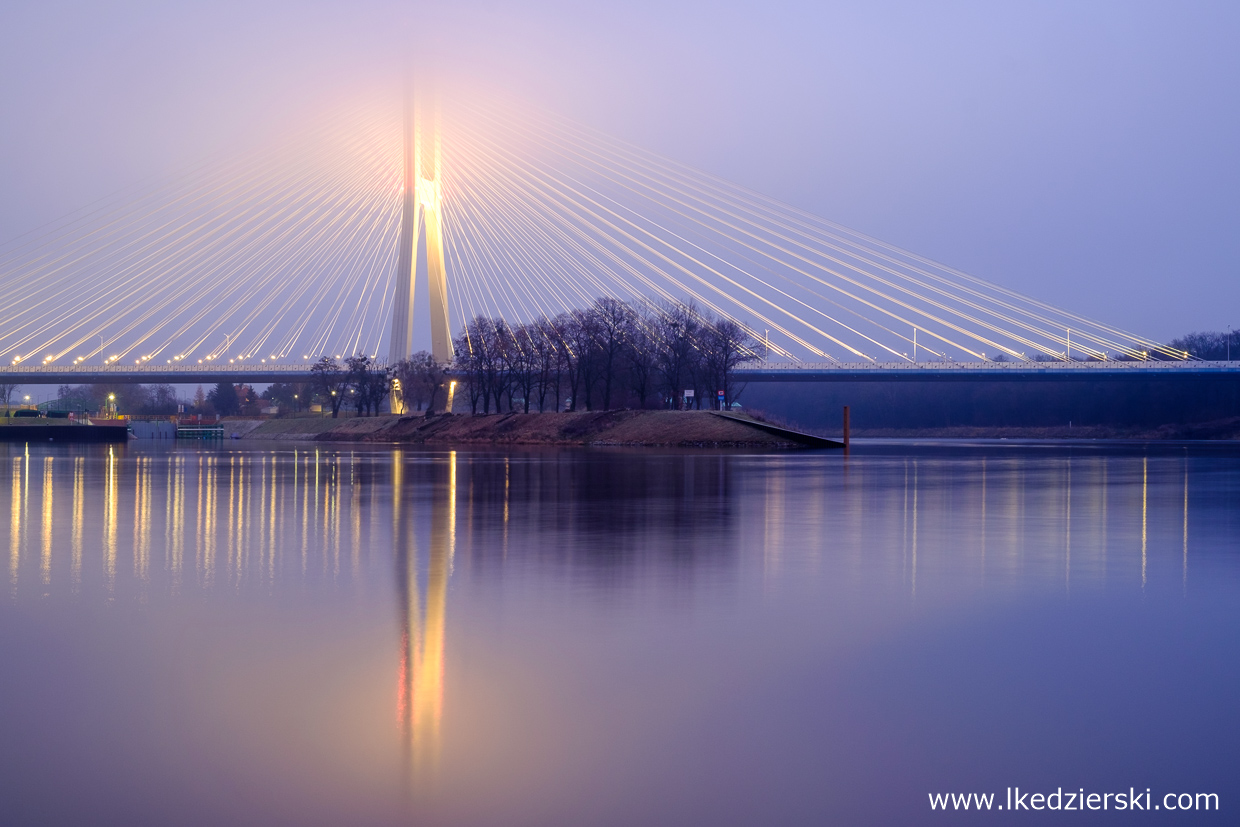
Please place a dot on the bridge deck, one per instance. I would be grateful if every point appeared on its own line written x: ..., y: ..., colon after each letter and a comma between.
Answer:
x: 982, y: 371
x: 766, y: 372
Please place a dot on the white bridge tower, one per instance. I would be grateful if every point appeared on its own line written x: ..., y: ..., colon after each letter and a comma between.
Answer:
x: 421, y: 216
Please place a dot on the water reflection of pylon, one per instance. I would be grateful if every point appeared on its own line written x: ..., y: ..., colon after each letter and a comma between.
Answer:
x: 419, y: 704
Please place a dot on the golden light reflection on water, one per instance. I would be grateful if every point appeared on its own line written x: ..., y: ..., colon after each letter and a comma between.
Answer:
x: 232, y: 521
x: 78, y: 537
x: 45, y: 557
x: 200, y: 534
x: 1104, y: 505
x: 772, y: 520
x: 507, y: 501
x: 305, y: 509
x: 127, y: 511
x: 904, y: 527
x: 355, y: 526
x: 1184, y: 578
x: 176, y: 522
x: 110, y: 530
x: 916, y: 492
x: 1067, y: 529
x: 208, y: 502
x: 333, y: 511
x: 15, y: 522
x: 257, y: 516
x: 271, y: 525
x: 1145, y: 510
x: 142, y: 521
x: 184, y: 515
x: 982, y: 530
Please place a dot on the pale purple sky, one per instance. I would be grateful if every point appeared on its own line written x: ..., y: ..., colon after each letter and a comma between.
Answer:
x: 1085, y: 153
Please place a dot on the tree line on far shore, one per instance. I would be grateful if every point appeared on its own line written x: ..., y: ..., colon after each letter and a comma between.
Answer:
x: 613, y: 354
x: 1210, y: 345
x: 162, y: 400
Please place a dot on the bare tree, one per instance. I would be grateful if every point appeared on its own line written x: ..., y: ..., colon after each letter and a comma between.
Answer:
x: 509, y: 354
x: 567, y: 332
x: 677, y: 348
x: 378, y: 387
x: 370, y: 383
x: 580, y: 333
x: 728, y: 345
x: 546, y: 345
x: 1215, y: 346
x: 481, y: 360
x: 612, y: 324
x: 163, y: 400
x: 641, y: 351
x: 290, y: 395
x: 7, y: 389
x: 495, y: 338
x: 421, y: 379
x: 466, y: 364
x: 630, y: 352
x: 524, y: 361
x: 331, y: 382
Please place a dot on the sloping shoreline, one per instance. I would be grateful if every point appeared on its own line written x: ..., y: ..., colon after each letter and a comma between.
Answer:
x: 689, y: 429
x: 1223, y: 429
x: 659, y: 428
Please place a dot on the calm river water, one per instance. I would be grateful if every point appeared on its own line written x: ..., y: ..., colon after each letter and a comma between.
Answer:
x: 265, y: 634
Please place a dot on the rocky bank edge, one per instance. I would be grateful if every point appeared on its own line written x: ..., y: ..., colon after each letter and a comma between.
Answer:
x: 689, y: 429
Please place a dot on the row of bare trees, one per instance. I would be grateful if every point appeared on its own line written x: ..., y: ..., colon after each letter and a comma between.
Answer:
x: 365, y: 384
x: 1212, y: 345
x: 612, y: 354
x: 361, y: 382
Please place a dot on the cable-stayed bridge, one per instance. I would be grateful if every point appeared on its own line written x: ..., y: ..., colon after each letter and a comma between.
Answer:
x: 252, y: 267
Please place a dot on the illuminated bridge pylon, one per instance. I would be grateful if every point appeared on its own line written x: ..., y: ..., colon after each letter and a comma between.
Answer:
x: 421, y: 217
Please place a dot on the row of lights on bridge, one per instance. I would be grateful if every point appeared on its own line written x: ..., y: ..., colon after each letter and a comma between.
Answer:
x: 111, y: 359
x: 1145, y: 354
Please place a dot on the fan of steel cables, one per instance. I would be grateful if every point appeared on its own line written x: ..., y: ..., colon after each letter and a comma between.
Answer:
x: 288, y: 252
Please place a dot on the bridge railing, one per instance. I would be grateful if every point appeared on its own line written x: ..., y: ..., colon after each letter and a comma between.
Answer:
x: 130, y: 370
x: 766, y: 371
x: 938, y: 367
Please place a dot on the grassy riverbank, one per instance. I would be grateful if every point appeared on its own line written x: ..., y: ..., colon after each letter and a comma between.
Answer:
x: 655, y: 428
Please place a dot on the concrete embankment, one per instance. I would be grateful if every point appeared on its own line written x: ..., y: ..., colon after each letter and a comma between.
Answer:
x: 654, y: 428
